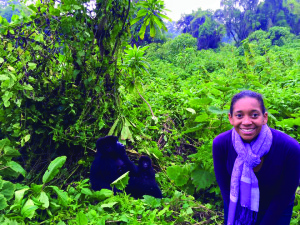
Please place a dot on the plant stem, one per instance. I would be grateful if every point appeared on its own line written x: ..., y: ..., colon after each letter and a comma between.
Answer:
x: 153, y: 116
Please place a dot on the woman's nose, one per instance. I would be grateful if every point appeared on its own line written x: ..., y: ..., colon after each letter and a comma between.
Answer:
x: 246, y: 121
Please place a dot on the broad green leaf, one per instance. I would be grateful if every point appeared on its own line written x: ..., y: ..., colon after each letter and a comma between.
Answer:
x: 16, y: 167
x: 10, y: 152
x: 157, y: 21
x: 172, y: 171
x: 62, y: 196
x: 135, y: 20
x: 126, y: 133
x: 152, y: 29
x: 142, y: 12
x: 81, y: 219
x: 53, y: 168
x: 77, y: 7
x: 121, y: 182
x: 165, y: 210
x: 290, y: 122
x: 19, y: 195
x: 271, y: 116
x: 112, y: 129
x: 193, y: 129
x: 86, y: 191
x: 36, y: 188
x: 143, y: 30
x: 4, y: 142
x: 14, y: 17
x: 223, y: 89
x: 178, y: 174
x: 28, y: 210
x: 6, y: 98
x: 27, y: 87
x: 31, y: 66
x: 273, y: 111
x: 200, y: 101
x: 7, y: 190
x: 103, y: 194
x: 191, y: 110
x: 27, y: 137
x: 164, y: 16
x: 202, y: 178
x: 201, y: 118
x: 216, y: 110
x: 152, y: 201
x: 81, y: 53
x: 43, y: 198
x: 4, y: 77
x: 10, y: 48
x: 1, y: 60
x: 109, y: 205
x: 33, y: 8
x: 3, y: 202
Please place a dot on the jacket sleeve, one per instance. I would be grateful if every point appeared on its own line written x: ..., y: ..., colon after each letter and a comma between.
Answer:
x: 288, y: 187
x: 222, y: 176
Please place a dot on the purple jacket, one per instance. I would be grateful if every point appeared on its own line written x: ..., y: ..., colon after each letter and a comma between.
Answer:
x: 278, y: 177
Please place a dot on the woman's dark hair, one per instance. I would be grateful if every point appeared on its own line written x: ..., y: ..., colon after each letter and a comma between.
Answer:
x: 250, y: 94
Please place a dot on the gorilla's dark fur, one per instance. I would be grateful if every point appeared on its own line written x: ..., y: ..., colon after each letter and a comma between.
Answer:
x: 111, y: 162
x: 143, y: 181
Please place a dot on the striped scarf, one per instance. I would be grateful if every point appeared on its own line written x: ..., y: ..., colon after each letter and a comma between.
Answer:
x: 244, y: 191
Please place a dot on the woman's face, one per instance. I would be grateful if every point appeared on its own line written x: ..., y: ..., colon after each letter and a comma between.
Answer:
x: 247, y: 118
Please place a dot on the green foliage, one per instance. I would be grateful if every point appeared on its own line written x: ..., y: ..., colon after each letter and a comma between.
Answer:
x: 183, y: 45
x: 262, y: 41
x: 121, y: 182
x: 53, y: 169
x: 151, y: 14
x: 29, y: 199
x: 190, y: 177
x: 60, y: 73
x: 13, y: 10
x: 203, y: 26
x: 9, y: 168
x: 68, y: 76
x: 6, y: 193
x: 280, y: 35
x: 35, y: 203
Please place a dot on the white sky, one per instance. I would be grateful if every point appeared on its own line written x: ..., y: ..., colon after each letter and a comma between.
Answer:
x: 179, y: 7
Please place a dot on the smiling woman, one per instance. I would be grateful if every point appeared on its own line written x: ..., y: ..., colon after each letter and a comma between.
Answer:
x: 256, y: 167
x: 248, y: 116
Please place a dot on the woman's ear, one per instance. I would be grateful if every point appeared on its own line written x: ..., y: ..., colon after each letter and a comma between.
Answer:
x: 265, y: 118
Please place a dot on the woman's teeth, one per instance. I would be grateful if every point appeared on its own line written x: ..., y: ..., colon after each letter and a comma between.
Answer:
x: 247, y: 130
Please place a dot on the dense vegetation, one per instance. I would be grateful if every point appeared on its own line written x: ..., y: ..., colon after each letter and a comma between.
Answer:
x: 239, y: 18
x: 69, y: 75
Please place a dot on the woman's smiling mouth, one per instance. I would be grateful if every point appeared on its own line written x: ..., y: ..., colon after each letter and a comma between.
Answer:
x: 248, y: 130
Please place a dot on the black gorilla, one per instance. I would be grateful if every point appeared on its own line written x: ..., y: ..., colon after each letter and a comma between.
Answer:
x: 142, y: 181
x: 110, y: 163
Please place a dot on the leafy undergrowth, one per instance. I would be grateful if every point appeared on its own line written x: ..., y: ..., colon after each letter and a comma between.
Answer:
x: 45, y: 204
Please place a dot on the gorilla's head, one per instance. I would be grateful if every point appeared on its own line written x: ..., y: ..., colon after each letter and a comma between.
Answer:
x: 144, y: 163
x: 110, y: 145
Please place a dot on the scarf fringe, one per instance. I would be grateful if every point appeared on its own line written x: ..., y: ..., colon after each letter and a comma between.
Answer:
x: 245, y: 216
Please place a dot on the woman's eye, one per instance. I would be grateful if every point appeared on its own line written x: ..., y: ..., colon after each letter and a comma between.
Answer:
x: 255, y: 115
x: 239, y: 116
